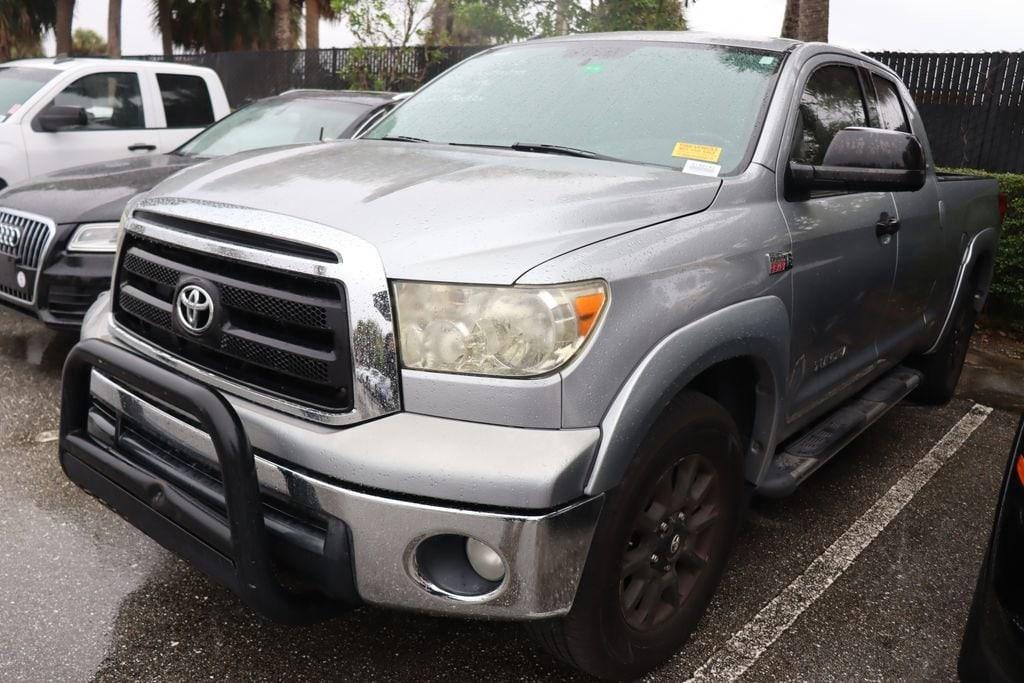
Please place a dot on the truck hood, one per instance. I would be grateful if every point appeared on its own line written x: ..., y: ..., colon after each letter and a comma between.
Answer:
x: 92, y: 193
x: 437, y: 212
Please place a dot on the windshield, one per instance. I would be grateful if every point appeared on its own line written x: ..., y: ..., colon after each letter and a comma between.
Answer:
x: 18, y: 83
x: 694, y: 107
x: 271, y: 123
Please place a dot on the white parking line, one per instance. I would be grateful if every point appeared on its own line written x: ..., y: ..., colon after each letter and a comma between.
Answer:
x: 747, y: 645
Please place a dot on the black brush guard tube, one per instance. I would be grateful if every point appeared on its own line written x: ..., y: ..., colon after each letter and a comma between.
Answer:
x: 171, y: 517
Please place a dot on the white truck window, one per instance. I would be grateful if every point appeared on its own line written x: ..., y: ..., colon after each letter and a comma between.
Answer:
x: 111, y: 100
x: 186, y: 101
x: 17, y: 84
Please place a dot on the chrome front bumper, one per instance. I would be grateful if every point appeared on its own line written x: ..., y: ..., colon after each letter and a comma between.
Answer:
x: 544, y: 553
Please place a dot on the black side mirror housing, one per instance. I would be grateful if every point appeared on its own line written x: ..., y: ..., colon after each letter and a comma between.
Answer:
x: 864, y: 160
x: 58, y: 117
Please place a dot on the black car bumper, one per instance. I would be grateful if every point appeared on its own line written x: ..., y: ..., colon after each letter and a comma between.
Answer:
x: 220, y: 522
x: 993, y: 645
x: 68, y: 284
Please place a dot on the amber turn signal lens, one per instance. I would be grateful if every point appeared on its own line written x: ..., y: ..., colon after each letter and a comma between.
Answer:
x: 1020, y: 468
x: 588, y: 308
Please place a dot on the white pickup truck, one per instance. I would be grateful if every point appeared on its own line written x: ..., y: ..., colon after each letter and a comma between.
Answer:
x: 59, y: 113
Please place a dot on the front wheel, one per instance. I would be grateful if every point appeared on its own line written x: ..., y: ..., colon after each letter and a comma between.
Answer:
x: 660, y: 546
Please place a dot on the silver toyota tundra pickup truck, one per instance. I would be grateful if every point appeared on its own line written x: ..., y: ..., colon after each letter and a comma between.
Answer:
x: 525, y: 350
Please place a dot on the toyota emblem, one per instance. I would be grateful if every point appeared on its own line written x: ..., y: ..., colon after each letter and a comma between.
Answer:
x: 195, y: 309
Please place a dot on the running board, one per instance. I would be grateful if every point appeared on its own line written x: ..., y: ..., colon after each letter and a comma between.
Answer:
x: 798, y: 459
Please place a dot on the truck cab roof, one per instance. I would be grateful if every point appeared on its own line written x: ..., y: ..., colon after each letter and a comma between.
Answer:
x: 692, y: 37
x: 82, y: 63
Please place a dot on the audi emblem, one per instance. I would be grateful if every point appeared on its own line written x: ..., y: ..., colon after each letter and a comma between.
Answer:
x: 195, y: 309
x: 10, y: 236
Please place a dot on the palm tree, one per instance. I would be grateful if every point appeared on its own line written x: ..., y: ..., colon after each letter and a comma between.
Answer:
x: 114, y: 28
x: 22, y: 23
x: 282, y: 24
x: 315, y: 11
x: 218, y: 25
x: 163, y: 24
x: 62, y: 26
x: 312, y: 24
x: 806, y: 20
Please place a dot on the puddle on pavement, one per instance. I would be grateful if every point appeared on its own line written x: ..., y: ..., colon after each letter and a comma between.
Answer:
x: 994, y: 379
x: 37, y: 346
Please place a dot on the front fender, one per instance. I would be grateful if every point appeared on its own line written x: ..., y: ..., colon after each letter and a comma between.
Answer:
x: 757, y: 329
x: 13, y: 164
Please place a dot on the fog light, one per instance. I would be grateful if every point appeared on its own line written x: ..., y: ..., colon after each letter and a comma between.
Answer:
x: 484, y: 561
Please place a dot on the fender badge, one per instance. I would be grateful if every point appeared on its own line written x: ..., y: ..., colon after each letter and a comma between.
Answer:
x: 780, y: 262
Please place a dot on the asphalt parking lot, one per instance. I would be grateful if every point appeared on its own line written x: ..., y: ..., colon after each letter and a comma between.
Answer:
x: 873, y: 562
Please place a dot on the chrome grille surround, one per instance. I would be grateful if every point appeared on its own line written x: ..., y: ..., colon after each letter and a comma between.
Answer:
x: 359, y: 268
x: 27, y: 237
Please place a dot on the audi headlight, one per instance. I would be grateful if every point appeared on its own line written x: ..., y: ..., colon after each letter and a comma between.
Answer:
x: 506, y: 331
x: 95, y: 237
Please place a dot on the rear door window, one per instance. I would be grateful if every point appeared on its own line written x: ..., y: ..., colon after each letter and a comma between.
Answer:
x: 186, y: 101
x: 890, y: 107
x: 112, y: 101
x: 832, y: 100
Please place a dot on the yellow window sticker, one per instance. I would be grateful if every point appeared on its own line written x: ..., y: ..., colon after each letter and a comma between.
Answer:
x: 698, y: 152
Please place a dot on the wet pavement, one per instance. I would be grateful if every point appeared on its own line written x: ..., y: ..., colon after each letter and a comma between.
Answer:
x: 85, y: 596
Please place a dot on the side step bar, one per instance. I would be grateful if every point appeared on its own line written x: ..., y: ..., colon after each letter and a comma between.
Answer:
x: 799, y: 459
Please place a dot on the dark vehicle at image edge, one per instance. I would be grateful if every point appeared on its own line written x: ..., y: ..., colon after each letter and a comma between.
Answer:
x: 993, y: 647
x: 68, y: 220
x: 523, y: 349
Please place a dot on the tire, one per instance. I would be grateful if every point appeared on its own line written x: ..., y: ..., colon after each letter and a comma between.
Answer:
x: 690, y: 462
x: 942, y: 369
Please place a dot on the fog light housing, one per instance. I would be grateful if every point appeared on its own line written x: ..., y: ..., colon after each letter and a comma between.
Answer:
x: 484, y: 560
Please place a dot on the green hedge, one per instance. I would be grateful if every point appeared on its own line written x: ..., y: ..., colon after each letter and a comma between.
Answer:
x: 1006, y: 301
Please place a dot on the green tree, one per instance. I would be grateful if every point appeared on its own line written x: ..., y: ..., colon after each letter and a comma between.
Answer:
x: 220, y: 25
x: 638, y: 15
x: 480, y: 22
x: 22, y: 23
x: 88, y: 43
x: 384, y: 23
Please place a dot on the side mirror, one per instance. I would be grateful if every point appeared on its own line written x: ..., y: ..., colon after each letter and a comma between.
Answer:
x: 864, y: 160
x: 59, y: 117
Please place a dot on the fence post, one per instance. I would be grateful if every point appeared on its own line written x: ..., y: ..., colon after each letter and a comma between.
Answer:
x: 991, y: 102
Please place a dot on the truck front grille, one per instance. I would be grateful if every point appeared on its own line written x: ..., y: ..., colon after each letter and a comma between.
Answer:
x: 26, y: 239
x: 278, y: 331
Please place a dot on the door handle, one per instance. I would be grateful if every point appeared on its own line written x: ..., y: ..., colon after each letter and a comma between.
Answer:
x: 887, y: 225
x: 141, y: 147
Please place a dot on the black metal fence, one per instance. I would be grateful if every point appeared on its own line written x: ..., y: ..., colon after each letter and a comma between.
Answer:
x: 972, y: 104
x: 250, y: 75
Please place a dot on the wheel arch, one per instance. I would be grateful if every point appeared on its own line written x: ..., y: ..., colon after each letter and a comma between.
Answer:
x: 750, y: 338
x: 975, y: 271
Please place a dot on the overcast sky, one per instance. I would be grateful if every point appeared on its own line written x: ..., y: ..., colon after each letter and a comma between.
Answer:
x: 922, y: 25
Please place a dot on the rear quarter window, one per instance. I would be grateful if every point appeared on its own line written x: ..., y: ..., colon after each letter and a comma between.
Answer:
x: 186, y: 101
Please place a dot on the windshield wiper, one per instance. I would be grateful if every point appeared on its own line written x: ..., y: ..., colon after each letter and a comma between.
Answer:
x: 402, y: 138
x: 541, y: 148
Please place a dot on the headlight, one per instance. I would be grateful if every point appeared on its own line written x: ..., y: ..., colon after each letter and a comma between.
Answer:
x: 506, y: 331
x: 95, y: 237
